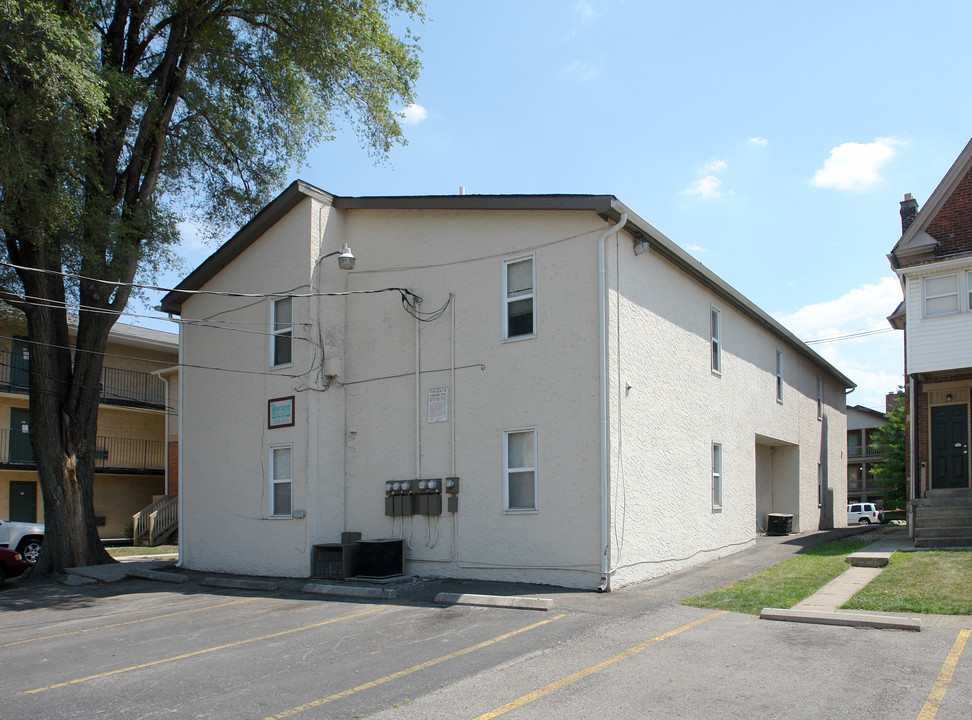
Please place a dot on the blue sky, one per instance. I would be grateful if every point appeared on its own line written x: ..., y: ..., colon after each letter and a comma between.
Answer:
x: 772, y: 140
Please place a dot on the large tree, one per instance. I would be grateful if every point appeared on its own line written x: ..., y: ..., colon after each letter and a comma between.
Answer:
x: 119, y: 116
x: 889, y: 441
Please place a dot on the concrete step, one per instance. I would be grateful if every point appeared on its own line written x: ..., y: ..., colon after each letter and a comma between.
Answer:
x: 943, y: 532
x: 935, y: 542
x: 943, y: 520
x: 947, y: 498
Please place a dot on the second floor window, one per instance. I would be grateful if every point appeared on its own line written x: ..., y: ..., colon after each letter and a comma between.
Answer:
x: 941, y: 295
x: 779, y: 376
x: 282, y: 336
x: 519, y: 296
x: 715, y: 322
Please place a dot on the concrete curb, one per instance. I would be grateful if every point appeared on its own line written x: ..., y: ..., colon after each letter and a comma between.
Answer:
x: 239, y: 584
x: 513, y: 601
x: 349, y: 591
x: 846, y: 619
x: 157, y: 575
x: 869, y: 559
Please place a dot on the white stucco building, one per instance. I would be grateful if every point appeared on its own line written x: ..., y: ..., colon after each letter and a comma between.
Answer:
x: 612, y: 409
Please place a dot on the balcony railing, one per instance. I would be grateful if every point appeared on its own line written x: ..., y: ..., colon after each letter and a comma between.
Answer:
x: 118, y: 387
x: 112, y: 455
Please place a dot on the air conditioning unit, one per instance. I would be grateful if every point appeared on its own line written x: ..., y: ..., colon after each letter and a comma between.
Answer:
x: 381, y: 558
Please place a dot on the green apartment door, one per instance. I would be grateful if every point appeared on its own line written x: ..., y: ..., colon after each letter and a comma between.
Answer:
x: 20, y: 450
x: 19, y: 363
x: 950, y: 447
x: 23, y: 501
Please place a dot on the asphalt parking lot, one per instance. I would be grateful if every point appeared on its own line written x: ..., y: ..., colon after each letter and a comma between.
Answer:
x: 138, y: 649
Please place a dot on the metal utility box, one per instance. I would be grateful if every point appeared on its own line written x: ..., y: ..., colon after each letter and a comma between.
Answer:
x: 779, y: 524
x: 381, y: 558
x: 453, y: 503
x: 334, y: 561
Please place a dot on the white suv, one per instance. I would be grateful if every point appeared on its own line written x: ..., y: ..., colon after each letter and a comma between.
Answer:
x: 864, y: 514
x: 25, y: 538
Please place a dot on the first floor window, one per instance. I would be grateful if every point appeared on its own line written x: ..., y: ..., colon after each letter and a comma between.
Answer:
x: 519, y: 316
x: 716, y: 476
x: 520, y: 463
x: 282, y: 337
x: 281, y: 481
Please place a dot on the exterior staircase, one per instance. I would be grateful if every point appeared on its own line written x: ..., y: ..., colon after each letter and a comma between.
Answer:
x: 943, y: 519
x: 157, y: 523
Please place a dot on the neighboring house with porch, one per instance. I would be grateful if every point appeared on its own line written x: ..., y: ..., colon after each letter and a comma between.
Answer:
x: 130, y: 469
x: 862, y: 455
x: 535, y: 388
x: 933, y: 260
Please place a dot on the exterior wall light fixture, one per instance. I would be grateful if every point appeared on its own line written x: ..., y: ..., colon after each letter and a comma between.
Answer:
x: 345, y: 257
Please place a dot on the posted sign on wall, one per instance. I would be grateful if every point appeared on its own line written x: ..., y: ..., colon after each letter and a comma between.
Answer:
x: 438, y: 405
x: 280, y: 412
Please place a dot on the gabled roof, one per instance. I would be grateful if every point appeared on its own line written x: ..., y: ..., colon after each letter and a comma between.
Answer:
x: 606, y: 206
x: 916, y: 241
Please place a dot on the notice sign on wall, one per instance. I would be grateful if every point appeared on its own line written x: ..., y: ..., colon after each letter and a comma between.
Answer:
x: 280, y: 412
x: 439, y: 405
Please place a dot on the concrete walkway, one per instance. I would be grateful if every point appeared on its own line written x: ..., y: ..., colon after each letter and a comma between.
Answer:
x: 823, y: 607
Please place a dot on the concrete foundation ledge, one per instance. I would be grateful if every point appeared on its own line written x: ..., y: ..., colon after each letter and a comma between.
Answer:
x: 350, y: 591
x: 847, y: 619
x: 238, y: 584
x: 514, y: 601
x: 156, y: 575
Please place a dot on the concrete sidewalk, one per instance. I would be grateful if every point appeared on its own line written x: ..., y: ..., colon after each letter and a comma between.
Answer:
x: 823, y: 607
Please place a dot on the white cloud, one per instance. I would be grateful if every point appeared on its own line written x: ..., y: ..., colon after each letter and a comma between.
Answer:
x: 696, y: 248
x: 414, y: 114
x: 863, y: 308
x: 582, y: 71
x: 714, y: 166
x: 582, y: 14
x: 706, y: 188
x: 874, y: 362
x: 758, y: 141
x: 856, y: 166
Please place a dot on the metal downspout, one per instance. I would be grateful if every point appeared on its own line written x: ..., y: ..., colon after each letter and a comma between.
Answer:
x: 605, y: 585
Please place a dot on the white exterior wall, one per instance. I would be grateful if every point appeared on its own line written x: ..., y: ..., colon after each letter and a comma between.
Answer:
x: 668, y: 407
x: 937, y: 343
x: 225, y: 441
x: 368, y: 423
x: 549, y: 382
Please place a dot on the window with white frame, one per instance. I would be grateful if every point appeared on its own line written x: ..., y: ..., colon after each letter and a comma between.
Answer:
x: 941, y: 295
x: 282, y: 332
x: 716, y: 476
x: 519, y: 298
x: 715, y: 327
x: 779, y: 376
x: 281, y: 481
x: 520, y: 470
x: 819, y: 398
x: 968, y: 286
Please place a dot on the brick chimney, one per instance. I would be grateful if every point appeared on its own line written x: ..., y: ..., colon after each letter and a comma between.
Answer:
x: 909, y: 209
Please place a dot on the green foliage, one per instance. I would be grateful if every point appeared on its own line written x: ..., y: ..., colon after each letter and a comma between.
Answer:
x: 889, y: 441
x: 783, y: 585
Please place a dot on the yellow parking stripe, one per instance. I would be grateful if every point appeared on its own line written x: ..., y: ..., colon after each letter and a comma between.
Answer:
x: 408, y: 671
x: 201, y: 652
x: 128, y: 622
x: 593, y: 669
x: 937, y: 693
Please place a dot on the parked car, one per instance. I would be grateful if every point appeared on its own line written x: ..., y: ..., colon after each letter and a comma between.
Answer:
x: 864, y: 514
x: 12, y: 564
x: 25, y: 538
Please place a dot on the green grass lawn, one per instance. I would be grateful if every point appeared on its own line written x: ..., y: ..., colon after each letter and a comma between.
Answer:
x: 927, y: 581
x: 783, y: 585
x: 127, y: 550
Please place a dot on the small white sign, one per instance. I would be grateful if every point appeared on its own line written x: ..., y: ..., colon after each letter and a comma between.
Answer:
x: 438, y: 405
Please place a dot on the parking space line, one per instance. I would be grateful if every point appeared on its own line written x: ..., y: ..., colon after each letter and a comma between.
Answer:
x: 937, y: 693
x: 546, y: 690
x: 127, y: 622
x: 408, y: 671
x: 202, y: 652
